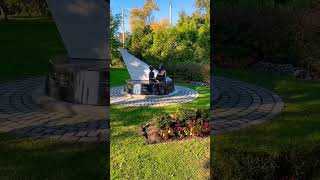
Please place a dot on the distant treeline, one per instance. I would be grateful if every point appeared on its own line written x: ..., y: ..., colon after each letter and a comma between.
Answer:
x: 270, y: 3
x: 24, y: 8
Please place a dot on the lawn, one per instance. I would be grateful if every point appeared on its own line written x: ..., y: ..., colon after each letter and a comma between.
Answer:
x: 26, y: 46
x: 131, y: 157
x: 287, y: 145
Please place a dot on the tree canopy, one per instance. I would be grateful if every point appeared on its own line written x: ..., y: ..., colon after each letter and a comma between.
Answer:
x: 158, y: 41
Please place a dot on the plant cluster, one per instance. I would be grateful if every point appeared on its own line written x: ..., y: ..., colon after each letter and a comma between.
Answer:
x: 24, y: 8
x: 187, y: 124
x: 189, y: 72
x: 283, y: 32
x: 159, y: 42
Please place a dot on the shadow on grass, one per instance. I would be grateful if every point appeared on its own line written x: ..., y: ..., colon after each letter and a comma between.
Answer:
x: 288, y: 145
x: 26, y: 158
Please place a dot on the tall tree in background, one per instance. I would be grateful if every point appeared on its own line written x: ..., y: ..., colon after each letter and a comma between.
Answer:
x: 115, y: 21
x: 140, y: 24
x: 148, y: 7
x: 3, y: 9
x: 158, y: 42
x: 141, y: 17
x: 162, y: 24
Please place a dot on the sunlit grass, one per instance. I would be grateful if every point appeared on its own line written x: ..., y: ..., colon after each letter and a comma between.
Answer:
x: 132, y: 157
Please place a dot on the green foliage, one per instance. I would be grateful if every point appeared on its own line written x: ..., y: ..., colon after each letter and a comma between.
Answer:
x: 27, y: 8
x: 115, y: 21
x: 186, y: 42
x: 307, y: 41
x: 189, y: 71
x: 186, y: 123
x: 276, y: 31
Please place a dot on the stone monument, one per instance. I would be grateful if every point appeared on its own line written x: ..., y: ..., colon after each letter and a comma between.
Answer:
x: 81, y: 76
x: 140, y: 84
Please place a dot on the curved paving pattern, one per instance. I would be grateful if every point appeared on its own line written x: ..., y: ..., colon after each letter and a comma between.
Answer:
x: 235, y: 104
x: 182, y: 95
x: 20, y: 115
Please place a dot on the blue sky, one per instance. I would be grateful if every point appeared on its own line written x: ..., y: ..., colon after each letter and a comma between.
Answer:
x: 177, y: 6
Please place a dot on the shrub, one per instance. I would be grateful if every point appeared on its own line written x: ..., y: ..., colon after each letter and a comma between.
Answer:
x: 307, y: 40
x: 284, y: 32
x: 260, y: 32
x: 188, y: 123
x: 189, y: 71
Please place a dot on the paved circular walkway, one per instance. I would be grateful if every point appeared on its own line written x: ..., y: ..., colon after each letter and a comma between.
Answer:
x: 181, y: 95
x: 19, y: 114
x: 236, y: 104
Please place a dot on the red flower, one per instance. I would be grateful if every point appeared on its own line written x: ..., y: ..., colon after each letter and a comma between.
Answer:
x: 199, y: 119
x: 206, y: 125
x: 174, y: 118
x: 181, y: 128
x: 191, y: 123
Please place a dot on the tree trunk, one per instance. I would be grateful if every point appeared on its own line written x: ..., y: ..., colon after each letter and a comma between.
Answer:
x: 3, y: 8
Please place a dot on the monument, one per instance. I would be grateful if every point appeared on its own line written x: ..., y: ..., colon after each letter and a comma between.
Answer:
x: 81, y: 76
x: 145, y: 80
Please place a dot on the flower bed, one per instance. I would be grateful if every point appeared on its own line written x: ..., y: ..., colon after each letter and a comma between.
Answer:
x: 169, y: 127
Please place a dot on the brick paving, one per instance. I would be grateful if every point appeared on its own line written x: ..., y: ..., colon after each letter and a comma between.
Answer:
x: 236, y: 104
x: 179, y: 96
x: 20, y: 115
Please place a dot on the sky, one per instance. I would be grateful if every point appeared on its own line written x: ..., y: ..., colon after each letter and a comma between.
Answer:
x: 177, y: 5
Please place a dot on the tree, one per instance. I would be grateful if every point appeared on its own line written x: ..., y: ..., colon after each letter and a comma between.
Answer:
x: 3, y: 9
x: 162, y: 24
x: 141, y: 17
x: 186, y: 42
x: 203, y: 8
x: 147, y: 9
x: 115, y: 44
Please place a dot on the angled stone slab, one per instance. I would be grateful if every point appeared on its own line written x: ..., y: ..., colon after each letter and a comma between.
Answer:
x: 83, y: 25
x: 137, y: 69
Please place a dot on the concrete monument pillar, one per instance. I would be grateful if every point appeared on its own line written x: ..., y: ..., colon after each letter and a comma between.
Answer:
x: 82, y: 75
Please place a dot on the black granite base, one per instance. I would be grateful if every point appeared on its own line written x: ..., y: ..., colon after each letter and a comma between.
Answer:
x: 138, y: 87
x: 81, y: 81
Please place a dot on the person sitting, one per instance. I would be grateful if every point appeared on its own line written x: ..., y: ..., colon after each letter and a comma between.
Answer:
x: 161, y: 76
x: 152, y: 80
x: 151, y: 75
x: 162, y: 73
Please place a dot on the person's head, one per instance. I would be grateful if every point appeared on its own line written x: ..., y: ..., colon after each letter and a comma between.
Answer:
x: 151, y: 68
x: 161, y: 67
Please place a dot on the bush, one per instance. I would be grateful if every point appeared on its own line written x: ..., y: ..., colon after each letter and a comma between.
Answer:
x: 187, y: 123
x: 189, y: 72
x: 29, y: 8
x: 307, y: 41
x: 187, y: 41
x: 259, y: 32
x: 284, y: 32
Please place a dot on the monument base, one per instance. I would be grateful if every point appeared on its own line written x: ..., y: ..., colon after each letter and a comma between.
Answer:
x: 80, y: 81
x: 140, y: 87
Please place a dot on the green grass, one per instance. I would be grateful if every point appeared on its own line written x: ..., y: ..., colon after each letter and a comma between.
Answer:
x: 132, y: 157
x: 295, y: 133
x: 26, y: 46
x: 23, y: 158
